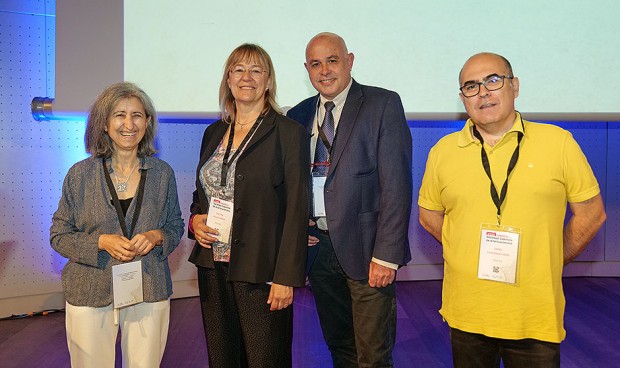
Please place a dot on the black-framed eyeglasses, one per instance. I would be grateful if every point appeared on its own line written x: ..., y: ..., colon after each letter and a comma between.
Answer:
x: 491, y: 83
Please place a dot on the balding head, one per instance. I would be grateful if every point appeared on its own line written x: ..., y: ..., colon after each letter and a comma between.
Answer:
x: 327, y: 37
x: 486, y: 55
x: 329, y: 64
x: 492, y: 110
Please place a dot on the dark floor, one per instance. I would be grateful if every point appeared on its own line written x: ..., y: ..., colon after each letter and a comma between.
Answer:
x: 592, y: 323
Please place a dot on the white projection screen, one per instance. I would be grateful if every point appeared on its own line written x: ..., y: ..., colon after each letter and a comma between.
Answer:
x: 565, y: 52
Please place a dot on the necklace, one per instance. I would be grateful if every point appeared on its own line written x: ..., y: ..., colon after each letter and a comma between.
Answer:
x: 240, y: 126
x: 121, y: 186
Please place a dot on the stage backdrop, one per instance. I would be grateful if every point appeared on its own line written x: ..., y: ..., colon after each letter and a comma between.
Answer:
x: 35, y: 156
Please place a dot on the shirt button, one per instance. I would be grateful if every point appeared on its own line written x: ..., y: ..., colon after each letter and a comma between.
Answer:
x: 240, y: 177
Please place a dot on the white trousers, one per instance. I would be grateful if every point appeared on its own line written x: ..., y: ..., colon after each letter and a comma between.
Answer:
x: 91, y: 335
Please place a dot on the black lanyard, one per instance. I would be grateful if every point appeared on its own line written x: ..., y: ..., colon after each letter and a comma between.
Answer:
x: 117, y: 203
x: 227, y: 162
x: 499, y: 199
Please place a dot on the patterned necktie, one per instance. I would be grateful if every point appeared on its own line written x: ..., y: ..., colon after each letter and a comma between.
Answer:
x: 321, y: 154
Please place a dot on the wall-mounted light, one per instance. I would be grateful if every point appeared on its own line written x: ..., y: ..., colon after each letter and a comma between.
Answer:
x: 41, y: 108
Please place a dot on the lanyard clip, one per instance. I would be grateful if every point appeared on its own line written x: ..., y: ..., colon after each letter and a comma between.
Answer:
x: 499, y: 219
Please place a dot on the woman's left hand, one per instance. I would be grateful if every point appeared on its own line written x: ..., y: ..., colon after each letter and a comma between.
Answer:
x: 145, y: 242
x: 280, y: 296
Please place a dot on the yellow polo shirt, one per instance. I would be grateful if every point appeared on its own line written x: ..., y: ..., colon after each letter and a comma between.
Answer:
x: 551, y: 170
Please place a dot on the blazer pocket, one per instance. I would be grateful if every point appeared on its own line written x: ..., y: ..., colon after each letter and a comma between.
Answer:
x: 360, y: 166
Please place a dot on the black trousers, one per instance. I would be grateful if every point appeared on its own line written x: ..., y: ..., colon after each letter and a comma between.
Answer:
x: 240, y: 329
x: 471, y: 350
x: 358, y: 322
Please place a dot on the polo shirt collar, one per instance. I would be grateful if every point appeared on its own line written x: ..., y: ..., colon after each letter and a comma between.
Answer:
x: 465, y: 137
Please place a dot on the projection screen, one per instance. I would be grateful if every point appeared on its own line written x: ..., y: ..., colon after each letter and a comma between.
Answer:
x: 565, y: 52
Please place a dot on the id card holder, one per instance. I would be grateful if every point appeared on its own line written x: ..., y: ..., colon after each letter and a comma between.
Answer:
x: 499, y: 253
x: 127, y: 284
x: 220, y: 217
x: 318, y: 196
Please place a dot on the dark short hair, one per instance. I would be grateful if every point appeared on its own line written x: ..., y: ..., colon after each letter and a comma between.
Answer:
x: 247, y: 52
x: 98, y: 142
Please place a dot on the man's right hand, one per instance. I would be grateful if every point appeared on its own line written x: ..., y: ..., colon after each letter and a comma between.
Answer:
x: 312, y: 240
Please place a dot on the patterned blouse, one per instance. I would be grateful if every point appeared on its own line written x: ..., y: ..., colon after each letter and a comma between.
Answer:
x: 210, y: 177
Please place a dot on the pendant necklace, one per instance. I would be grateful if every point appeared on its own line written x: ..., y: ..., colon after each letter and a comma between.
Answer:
x: 240, y: 126
x: 120, y: 185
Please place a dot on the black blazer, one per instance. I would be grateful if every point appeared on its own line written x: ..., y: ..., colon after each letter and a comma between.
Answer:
x: 369, y: 184
x: 269, y: 232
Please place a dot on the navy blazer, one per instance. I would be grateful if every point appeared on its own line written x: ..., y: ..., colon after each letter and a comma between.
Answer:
x: 269, y: 233
x: 368, y: 186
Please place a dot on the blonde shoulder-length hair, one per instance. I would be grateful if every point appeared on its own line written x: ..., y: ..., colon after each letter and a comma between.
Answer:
x: 247, y: 52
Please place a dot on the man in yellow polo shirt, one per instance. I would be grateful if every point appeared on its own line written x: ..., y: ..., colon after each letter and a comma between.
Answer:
x: 494, y: 194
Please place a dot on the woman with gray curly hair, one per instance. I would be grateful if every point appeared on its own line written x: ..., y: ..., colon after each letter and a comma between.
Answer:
x: 118, y: 206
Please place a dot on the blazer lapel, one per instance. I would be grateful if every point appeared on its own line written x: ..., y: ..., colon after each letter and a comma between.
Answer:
x: 308, y: 120
x: 346, y: 124
x: 265, y: 127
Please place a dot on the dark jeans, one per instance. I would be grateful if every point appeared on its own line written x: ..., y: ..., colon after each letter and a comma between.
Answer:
x: 470, y: 350
x: 358, y: 322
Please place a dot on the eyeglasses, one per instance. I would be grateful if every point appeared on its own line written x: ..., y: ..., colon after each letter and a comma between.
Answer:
x: 491, y: 83
x: 239, y: 71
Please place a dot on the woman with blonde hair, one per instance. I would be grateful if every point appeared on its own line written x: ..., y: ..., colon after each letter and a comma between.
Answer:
x: 254, y: 164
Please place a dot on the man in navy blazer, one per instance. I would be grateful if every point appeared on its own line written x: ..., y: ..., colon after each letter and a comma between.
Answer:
x: 361, y: 238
